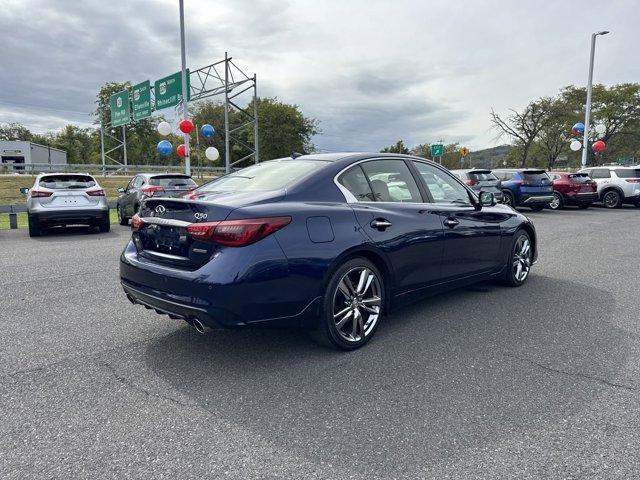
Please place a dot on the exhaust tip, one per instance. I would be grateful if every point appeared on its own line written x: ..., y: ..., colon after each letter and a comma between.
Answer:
x: 198, y: 325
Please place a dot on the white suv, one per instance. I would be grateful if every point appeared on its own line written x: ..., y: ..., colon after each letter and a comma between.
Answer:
x: 616, y: 185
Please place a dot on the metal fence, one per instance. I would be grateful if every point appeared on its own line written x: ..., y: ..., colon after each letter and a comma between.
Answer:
x: 97, y: 169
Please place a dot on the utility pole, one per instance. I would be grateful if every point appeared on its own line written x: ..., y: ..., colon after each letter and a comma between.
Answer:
x: 185, y: 109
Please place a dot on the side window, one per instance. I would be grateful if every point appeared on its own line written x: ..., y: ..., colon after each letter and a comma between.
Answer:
x: 391, y: 181
x: 138, y: 182
x: 600, y: 173
x: 443, y: 188
x: 355, y: 181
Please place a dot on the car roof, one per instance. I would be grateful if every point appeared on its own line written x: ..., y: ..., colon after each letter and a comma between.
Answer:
x: 170, y: 174
x: 46, y: 174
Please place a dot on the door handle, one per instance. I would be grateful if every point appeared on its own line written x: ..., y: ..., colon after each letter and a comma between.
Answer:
x: 380, y: 224
x: 451, y: 222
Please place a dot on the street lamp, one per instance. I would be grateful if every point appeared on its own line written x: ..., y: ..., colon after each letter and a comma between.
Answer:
x: 587, y: 112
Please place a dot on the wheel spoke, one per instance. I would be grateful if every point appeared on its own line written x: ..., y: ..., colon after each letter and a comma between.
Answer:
x: 375, y: 309
x: 368, y: 284
x: 518, y: 270
x: 361, y: 325
x: 525, y: 247
x: 342, y: 286
x: 354, y: 325
x: 344, y: 319
x: 342, y: 312
x: 371, y: 301
x: 350, y: 287
x: 362, y: 280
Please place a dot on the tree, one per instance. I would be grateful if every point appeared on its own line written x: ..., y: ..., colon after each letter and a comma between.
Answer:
x: 15, y: 131
x: 397, y: 148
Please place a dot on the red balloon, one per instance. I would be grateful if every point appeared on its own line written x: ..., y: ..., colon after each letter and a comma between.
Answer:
x: 181, y: 150
x: 599, y: 146
x: 186, y: 126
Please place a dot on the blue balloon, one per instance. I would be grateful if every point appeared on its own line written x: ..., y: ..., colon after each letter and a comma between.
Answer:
x: 207, y: 130
x: 578, y: 127
x: 164, y: 147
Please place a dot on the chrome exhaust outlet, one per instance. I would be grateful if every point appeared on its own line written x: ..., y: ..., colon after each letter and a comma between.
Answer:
x: 198, y: 325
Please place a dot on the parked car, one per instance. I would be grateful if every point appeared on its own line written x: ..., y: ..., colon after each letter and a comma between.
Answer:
x: 616, y: 185
x: 60, y: 199
x: 525, y: 187
x: 322, y: 242
x: 146, y: 185
x: 572, y: 189
x: 480, y: 179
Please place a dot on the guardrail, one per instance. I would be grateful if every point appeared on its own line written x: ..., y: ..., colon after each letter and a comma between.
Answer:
x: 98, y: 169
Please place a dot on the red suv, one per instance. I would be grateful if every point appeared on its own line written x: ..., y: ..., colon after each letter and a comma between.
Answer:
x: 572, y: 189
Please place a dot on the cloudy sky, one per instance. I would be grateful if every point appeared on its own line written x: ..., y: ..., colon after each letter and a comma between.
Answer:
x: 371, y: 71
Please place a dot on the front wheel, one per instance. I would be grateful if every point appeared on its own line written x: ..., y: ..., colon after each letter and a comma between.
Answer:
x: 557, y: 203
x: 520, y: 260
x: 354, y: 302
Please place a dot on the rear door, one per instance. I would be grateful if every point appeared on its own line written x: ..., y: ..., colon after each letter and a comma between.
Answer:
x: 68, y: 191
x: 536, y: 183
x: 392, y: 212
x: 131, y: 195
x: 471, y: 237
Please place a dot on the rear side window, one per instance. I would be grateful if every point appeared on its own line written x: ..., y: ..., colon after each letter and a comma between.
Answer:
x: 264, y: 177
x: 482, y: 176
x: 391, y: 181
x: 579, y: 178
x: 169, y: 181
x: 66, y: 181
x: 356, y: 182
x: 627, y: 172
x: 600, y: 173
x: 505, y: 176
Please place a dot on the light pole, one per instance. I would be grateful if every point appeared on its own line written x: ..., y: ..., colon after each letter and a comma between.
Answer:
x: 185, y: 111
x: 587, y: 109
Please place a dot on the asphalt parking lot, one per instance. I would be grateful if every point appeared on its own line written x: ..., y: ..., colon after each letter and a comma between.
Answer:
x: 486, y: 382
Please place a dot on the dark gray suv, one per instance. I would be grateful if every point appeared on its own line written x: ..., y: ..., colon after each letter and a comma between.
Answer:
x: 145, y: 185
x: 481, y: 179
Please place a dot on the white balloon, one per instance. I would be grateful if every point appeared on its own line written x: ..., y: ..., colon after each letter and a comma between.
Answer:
x: 164, y: 128
x: 212, y: 153
x: 575, y: 145
x: 600, y: 128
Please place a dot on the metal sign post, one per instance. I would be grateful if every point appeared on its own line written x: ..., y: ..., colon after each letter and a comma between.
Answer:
x: 185, y: 109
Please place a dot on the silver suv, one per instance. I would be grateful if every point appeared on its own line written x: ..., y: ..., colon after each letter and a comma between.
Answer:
x: 65, y: 199
x: 616, y: 185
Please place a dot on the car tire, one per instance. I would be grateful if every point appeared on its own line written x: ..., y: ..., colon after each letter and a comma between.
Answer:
x: 521, y: 253
x: 611, y: 199
x: 122, y: 219
x: 507, y: 199
x: 537, y: 208
x: 557, y: 203
x: 353, y: 305
x: 104, y: 226
x: 34, y: 228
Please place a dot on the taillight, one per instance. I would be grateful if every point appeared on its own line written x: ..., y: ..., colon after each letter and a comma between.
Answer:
x: 151, y: 189
x: 136, y: 223
x: 471, y: 182
x: 39, y: 193
x: 95, y: 193
x: 236, y: 233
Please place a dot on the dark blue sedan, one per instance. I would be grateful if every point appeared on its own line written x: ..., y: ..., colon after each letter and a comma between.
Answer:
x: 325, y: 242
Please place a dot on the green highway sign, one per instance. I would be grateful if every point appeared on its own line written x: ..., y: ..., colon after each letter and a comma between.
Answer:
x: 141, y: 104
x: 119, y: 105
x: 168, y: 90
x: 437, y: 150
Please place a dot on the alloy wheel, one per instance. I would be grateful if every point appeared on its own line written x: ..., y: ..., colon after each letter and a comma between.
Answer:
x: 357, y: 304
x: 611, y: 199
x: 555, y: 203
x: 522, y: 258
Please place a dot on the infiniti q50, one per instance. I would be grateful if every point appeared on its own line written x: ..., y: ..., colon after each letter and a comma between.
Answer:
x: 328, y: 242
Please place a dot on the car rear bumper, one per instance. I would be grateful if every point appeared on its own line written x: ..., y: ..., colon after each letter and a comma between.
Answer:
x: 535, y: 199
x: 69, y: 216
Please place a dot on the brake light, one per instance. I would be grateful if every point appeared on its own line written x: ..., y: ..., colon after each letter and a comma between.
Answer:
x: 95, y: 193
x: 136, y: 223
x: 236, y: 233
x: 471, y: 182
x: 151, y: 189
x: 39, y: 193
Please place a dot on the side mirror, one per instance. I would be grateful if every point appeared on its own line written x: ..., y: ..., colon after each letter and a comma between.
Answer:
x: 24, y: 190
x: 121, y: 190
x: 487, y: 199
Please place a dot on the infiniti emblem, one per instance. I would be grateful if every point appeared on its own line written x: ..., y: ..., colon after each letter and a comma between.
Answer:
x: 160, y: 209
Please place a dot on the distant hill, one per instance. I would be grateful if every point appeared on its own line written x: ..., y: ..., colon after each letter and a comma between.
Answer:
x: 489, y: 157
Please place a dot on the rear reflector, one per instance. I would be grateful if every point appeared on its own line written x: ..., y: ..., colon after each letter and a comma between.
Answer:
x: 136, y: 223
x: 95, y: 193
x: 39, y: 193
x: 236, y: 233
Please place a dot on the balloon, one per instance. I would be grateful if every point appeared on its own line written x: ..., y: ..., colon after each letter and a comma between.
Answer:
x: 164, y: 128
x: 578, y: 128
x: 575, y: 145
x: 164, y: 147
x: 212, y: 153
x: 598, y: 146
x: 181, y: 150
x: 186, y: 126
x: 207, y: 130
x: 600, y: 128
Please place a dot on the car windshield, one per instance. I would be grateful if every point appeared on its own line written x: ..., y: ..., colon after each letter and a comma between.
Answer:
x: 54, y: 182
x: 628, y: 172
x: 579, y: 178
x: 172, y: 181
x: 264, y: 177
x: 482, y: 176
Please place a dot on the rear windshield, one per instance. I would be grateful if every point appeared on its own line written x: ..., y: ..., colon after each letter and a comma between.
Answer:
x: 264, y: 177
x: 169, y: 181
x: 66, y: 181
x: 536, y: 176
x: 628, y: 172
x: 482, y: 176
x: 579, y: 178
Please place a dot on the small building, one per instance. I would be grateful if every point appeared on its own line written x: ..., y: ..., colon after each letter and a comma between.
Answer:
x: 19, y: 155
